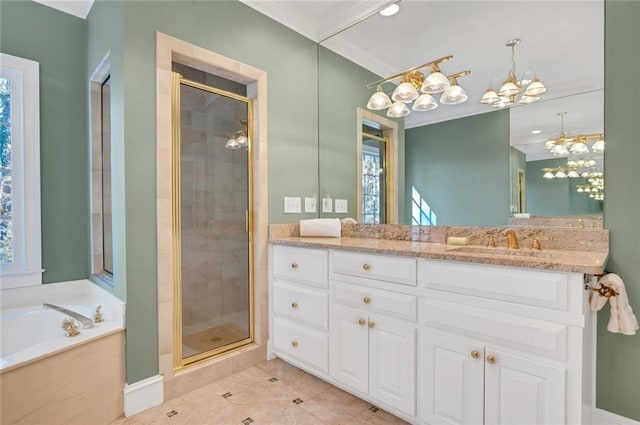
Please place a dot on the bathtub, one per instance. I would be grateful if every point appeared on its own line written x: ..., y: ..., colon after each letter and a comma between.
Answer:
x: 47, y: 377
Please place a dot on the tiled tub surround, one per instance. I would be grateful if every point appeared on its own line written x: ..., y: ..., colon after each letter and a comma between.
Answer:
x: 61, y: 380
x: 573, y: 250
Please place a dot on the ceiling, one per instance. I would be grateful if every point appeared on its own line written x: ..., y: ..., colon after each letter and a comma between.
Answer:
x: 562, y: 42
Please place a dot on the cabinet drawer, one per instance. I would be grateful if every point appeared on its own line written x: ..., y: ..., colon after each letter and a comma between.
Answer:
x: 300, y: 304
x: 305, y: 344
x: 402, y: 306
x: 301, y: 264
x: 380, y: 267
x: 530, y: 287
x: 522, y: 333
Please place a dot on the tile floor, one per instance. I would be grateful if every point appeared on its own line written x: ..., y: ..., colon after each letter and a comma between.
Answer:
x: 272, y: 392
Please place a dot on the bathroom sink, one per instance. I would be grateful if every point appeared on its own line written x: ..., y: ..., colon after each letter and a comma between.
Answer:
x: 523, y: 252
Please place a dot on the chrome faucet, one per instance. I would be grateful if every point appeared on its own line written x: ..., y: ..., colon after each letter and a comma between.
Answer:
x: 86, y: 322
x: 512, y: 240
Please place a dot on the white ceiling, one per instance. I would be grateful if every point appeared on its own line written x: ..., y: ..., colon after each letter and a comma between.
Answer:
x: 562, y: 42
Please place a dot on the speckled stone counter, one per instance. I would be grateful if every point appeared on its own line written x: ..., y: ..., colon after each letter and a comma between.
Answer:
x: 571, y: 250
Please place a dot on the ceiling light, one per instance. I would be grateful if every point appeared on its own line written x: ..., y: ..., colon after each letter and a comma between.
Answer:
x: 536, y: 131
x: 390, y: 10
x: 511, y: 88
x: 415, y: 87
x: 563, y: 144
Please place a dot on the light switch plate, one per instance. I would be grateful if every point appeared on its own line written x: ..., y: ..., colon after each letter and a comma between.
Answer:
x: 310, y: 205
x: 327, y: 205
x: 292, y: 205
x: 341, y: 206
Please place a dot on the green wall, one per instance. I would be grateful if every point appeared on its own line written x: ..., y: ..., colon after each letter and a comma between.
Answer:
x: 556, y: 197
x: 57, y: 41
x: 342, y: 89
x: 517, y: 162
x: 461, y: 169
x: 618, y: 371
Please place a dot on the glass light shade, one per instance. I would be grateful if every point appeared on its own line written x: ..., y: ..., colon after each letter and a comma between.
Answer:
x: 598, y: 146
x: 549, y: 144
x: 454, y: 95
x: 580, y: 162
x: 435, y: 82
x: 425, y: 102
x: 509, y: 88
x: 579, y: 189
x: 232, y: 144
x: 573, y: 174
x: 526, y: 99
x: 579, y: 148
x: 561, y: 174
x: 502, y: 102
x: 405, y: 92
x: 489, y: 97
x: 536, y: 88
x: 585, y: 174
x: 242, y: 140
x: 379, y: 100
x: 397, y: 110
x: 559, y: 150
x: 572, y: 163
x: 549, y: 175
x: 590, y: 163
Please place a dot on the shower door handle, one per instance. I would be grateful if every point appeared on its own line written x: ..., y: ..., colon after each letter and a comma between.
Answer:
x: 246, y: 221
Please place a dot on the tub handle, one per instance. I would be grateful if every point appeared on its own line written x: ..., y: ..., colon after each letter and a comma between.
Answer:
x: 70, y: 328
x: 97, y: 316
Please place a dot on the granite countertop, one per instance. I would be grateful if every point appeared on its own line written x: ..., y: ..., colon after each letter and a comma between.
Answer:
x: 586, y: 262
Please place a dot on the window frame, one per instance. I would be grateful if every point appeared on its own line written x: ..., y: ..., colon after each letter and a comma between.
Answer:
x: 26, y: 269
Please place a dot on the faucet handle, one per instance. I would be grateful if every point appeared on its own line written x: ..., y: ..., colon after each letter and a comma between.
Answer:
x: 97, y: 316
x: 491, y: 243
x: 70, y: 328
x: 537, y: 239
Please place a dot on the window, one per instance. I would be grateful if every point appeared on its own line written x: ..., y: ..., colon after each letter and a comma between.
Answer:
x: 101, y: 153
x: 421, y: 213
x: 20, y: 256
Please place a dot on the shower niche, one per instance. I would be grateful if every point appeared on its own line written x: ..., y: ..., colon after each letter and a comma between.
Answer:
x: 212, y: 193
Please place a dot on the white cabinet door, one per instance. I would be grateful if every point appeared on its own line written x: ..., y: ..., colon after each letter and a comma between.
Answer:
x: 522, y: 391
x: 451, y: 379
x: 349, y: 348
x: 392, y: 363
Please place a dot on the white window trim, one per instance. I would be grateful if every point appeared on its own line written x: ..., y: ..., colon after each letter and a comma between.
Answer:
x: 26, y: 270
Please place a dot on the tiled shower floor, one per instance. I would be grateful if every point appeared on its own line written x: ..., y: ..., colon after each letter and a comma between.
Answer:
x: 272, y: 392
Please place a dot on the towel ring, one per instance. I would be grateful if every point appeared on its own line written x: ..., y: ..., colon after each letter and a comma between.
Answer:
x: 602, y: 290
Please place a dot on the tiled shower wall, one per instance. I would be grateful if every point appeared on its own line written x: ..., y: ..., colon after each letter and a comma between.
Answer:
x: 214, y: 193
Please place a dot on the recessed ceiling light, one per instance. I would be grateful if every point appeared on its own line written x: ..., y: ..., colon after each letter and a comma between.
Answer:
x: 390, y: 10
x: 536, y: 132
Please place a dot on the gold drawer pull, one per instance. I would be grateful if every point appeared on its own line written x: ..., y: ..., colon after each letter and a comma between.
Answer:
x: 366, y: 300
x: 362, y: 322
x: 491, y: 359
x: 366, y: 266
x: 294, y: 343
x: 475, y: 354
x: 294, y: 265
x: 372, y: 325
x: 294, y: 305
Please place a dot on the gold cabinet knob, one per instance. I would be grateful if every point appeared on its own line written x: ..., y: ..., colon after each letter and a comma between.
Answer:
x: 372, y: 325
x: 366, y: 300
x: 294, y: 343
x: 475, y: 354
x: 491, y: 359
x: 294, y: 305
x: 294, y: 265
x: 361, y: 322
x: 366, y: 266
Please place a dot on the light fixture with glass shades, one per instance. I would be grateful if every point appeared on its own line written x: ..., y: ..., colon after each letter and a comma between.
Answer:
x: 524, y: 91
x: 238, y: 139
x: 576, y: 144
x: 415, y: 87
x: 593, y: 184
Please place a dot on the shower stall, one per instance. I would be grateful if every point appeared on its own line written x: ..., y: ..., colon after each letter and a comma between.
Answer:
x: 211, y: 172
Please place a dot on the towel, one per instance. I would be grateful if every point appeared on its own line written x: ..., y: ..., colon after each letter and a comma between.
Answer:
x: 320, y: 227
x: 622, y: 319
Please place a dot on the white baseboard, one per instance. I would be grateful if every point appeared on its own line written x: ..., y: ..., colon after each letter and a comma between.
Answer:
x: 143, y: 395
x: 602, y: 417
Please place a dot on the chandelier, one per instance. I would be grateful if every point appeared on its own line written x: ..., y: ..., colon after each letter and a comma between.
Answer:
x: 594, y: 184
x: 415, y: 87
x: 238, y: 139
x: 511, y: 90
x: 564, y: 145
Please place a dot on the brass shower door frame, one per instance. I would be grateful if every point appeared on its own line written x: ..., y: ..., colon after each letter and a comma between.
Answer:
x: 178, y: 361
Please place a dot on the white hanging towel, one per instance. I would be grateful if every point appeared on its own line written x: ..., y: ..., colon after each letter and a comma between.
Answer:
x: 622, y: 319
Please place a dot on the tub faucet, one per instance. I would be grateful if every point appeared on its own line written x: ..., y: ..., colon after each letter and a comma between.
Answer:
x: 86, y: 322
x: 512, y: 240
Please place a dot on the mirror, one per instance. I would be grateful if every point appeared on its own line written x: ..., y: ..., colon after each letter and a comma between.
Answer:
x: 467, y: 164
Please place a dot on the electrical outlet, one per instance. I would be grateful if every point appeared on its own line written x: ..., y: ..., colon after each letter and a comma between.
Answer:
x: 341, y: 206
x: 292, y: 205
x: 310, y: 205
x: 327, y: 205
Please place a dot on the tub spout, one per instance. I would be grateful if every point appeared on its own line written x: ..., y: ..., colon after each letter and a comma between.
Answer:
x: 86, y: 322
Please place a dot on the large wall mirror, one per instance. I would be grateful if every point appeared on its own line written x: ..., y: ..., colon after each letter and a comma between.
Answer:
x: 471, y: 163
